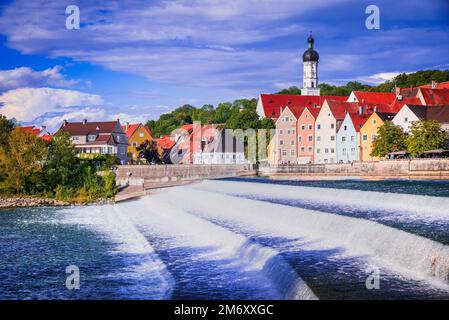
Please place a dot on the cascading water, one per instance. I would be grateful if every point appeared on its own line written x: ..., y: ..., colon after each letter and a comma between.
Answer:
x: 409, y: 254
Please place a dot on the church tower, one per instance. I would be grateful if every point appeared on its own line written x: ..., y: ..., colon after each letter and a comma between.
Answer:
x: 310, y: 74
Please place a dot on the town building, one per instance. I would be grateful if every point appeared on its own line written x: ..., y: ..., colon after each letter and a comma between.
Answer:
x: 327, y: 124
x: 371, y: 97
x: 286, y: 135
x: 136, y: 133
x: 368, y: 133
x: 310, y: 70
x: 306, y: 134
x: 348, y: 137
x: 413, y: 113
x: 96, y: 138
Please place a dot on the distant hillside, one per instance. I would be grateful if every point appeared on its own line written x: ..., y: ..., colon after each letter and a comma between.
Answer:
x: 402, y: 80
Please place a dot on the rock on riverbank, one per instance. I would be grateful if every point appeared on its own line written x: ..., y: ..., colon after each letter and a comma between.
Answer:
x: 30, y: 202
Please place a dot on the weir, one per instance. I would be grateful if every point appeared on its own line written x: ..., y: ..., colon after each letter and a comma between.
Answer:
x: 407, y: 254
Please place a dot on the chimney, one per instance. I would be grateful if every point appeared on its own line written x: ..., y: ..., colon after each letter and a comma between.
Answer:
x: 375, y: 108
x: 64, y: 123
x: 397, y: 91
x: 127, y: 126
x: 360, y: 110
x: 84, y: 121
x: 434, y: 84
x: 42, y: 128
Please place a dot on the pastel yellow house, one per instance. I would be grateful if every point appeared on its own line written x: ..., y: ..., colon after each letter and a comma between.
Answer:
x: 368, y: 133
x: 136, y: 133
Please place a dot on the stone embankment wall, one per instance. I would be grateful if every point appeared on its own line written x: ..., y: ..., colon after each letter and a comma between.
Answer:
x: 386, y: 168
x: 146, y: 175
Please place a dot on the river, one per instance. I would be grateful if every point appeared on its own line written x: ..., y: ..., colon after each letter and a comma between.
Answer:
x: 238, y: 238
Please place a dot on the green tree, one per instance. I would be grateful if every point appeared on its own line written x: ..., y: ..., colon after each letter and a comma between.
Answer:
x: 425, y: 136
x: 390, y: 138
x: 6, y: 126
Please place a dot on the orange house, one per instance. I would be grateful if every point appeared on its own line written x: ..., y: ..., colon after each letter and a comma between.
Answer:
x: 137, y: 134
x: 306, y: 134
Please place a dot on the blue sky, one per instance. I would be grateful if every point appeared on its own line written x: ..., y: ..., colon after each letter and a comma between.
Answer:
x: 138, y: 59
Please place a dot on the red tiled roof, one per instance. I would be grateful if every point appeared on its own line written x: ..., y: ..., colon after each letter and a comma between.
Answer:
x: 433, y: 97
x: 313, y: 111
x: 272, y: 103
x: 80, y: 128
x: 129, y: 129
x: 398, y: 104
x: 358, y: 120
x: 340, y: 108
x: 166, y: 142
x: 374, y: 97
x: 36, y: 131
x: 442, y: 85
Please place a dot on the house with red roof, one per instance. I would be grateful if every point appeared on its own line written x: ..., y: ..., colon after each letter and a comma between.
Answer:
x: 413, y: 113
x: 40, y: 132
x: 136, y: 133
x: 436, y: 85
x: 95, y: 138
x: 286, y: 144
x: 348, y: 137
x: 208, y: 144
x: 327, y: 124
x: 306, y: 134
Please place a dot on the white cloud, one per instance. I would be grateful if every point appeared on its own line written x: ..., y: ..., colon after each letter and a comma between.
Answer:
x: 90, y: 113
x: 27, y: 77
x: 26, y: 104
x: 379, y: 78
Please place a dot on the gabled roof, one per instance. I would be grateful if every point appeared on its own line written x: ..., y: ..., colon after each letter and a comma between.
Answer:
x: 398, y: 104
x: 165, y: 142
x: 340, y: 108
x: 313, y: 111
x: 435, y: 113
x: 374, y: 97
x: 272, y: 103
x: 358, y: 121
x: 386, y: 116
x: 129, y: 129
x: 433, y: 97
x: 81, y: 128
x: 38, y: 132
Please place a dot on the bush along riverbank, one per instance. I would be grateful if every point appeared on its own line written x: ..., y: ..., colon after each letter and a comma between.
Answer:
x: 34, y: 172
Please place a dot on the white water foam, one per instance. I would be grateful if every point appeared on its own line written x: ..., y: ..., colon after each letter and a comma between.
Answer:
x: 184, y: 229
x: 411, y: 255
x: 403, y: 206
x: 151, y: 277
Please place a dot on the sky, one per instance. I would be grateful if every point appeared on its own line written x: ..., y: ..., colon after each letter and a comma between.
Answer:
x: 137, y: 59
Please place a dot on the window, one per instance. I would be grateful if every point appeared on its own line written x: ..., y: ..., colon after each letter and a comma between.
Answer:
x: 310, y: 127
x: 299, y: 139
x: 332, y: 138
x: 141, y: 134
x: 91, y: 137
x: 309, y: 149
x: 326, y: 150
x: 352, y: 138
x: 344, y: 150
x: 134, y: 144
x: 284, y: 153
x: 332, y: 126
x: 281, y: 131
x: 294, y: 131
x: 318, y: 138
x: 281, y: 142
x: 405, y: 119
x: 345, y: 128
x: 365, y: 137
x: 318, y: 126
x: 292, y: 142
x: 310, y: 138
x: 373, y: 137
x: 317, y: 150
x: 332, y: 150
x: 288, y: 131
x: 292, y: 153
x: 374, y: 121
x: 302, y: 149
x: 303, y: 127
x: 343, y: 139
x: 352, y: 150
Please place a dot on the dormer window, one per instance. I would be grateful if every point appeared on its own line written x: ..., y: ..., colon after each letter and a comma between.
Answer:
x: 91, y: 137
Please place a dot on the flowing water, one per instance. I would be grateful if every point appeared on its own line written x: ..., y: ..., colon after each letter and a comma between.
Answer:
x: 238, y: 239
